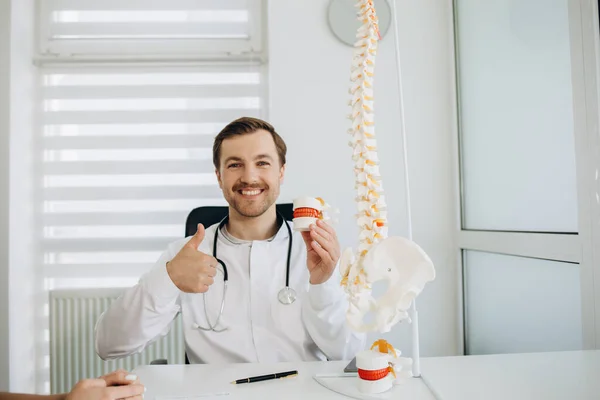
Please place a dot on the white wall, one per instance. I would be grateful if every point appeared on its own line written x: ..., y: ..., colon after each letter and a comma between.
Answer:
x: 308, y: 95
x: 25, y: 302
x: 4, y: 143
x: 18, y: 297
x: 309, y: 81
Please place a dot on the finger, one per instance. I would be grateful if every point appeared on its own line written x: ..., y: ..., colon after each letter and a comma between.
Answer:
x: 117, y: 371
x: 210, y: 271
x: 307, y: 239
x: 197, y: 239
x: 213, y: 262
x: 119, y: 377
x: 89, y: 383
x: 125, y: 392
x: 207, y: 280
x: 324, y: 254
x: 322, y: 232
x: 324, y: 225
x: 329, y: 246
x: 328, y: 242
x: 318, y: 235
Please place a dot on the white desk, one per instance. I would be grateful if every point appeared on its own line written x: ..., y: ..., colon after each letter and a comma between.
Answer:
x: 545, y: 376
x: 170, y: 381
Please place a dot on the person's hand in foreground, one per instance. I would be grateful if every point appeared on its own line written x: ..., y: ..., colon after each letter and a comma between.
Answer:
x: 116, y: 385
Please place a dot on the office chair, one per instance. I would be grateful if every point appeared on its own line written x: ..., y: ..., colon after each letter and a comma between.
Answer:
x: 210, y: 215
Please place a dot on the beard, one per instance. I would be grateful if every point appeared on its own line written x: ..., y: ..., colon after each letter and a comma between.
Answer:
x: 253, y: 206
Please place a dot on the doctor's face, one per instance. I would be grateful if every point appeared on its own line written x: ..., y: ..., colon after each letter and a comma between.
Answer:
x: 250, y: 172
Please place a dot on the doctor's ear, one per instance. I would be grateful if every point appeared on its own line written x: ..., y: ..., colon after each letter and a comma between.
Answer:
x: 219, y: 178
x: 281, y: 173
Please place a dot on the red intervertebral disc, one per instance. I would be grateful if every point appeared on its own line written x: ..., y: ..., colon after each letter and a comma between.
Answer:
x: 306, y: 212
x: 373, y: 375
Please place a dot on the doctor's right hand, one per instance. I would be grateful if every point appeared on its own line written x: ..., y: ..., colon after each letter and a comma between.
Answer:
x: 191, y: 270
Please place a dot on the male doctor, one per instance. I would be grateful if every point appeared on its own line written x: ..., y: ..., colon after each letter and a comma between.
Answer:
x: 249, y: 157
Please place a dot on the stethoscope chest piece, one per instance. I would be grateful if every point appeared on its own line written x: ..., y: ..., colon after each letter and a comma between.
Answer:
x: 287, y: 295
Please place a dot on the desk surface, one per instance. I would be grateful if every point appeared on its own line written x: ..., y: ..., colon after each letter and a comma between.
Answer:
x: 547, y: 376
x: 193, y: 381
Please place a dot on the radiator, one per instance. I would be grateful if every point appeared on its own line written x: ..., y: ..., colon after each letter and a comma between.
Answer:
x: 72, y: 318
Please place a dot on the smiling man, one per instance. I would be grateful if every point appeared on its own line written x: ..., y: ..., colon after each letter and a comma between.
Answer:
x: 247, y: 320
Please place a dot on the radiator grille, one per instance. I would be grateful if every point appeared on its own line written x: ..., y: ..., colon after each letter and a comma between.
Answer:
x: 73, y: 315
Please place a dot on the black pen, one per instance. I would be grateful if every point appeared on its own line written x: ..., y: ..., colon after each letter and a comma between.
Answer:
x: 277, y: 375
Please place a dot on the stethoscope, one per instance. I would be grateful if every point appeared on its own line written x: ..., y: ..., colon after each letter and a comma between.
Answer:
x: 286, y: 295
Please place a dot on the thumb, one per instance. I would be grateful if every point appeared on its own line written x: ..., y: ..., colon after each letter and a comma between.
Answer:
x: 90, y: 383
x: 307, y: 239
x: 198, y: 237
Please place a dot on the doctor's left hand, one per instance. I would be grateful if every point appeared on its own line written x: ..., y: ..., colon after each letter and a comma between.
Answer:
x: 323, y: 251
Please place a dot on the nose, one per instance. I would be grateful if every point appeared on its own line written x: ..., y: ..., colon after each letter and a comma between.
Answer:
x: 250, y: 174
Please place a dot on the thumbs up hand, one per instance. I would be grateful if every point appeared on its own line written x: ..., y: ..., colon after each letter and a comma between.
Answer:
x: 193, y: 271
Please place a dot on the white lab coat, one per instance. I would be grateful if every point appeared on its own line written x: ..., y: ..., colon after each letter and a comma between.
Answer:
x: 261, y: 329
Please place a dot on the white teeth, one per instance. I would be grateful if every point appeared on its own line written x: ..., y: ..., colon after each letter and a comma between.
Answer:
x: 250, y: 192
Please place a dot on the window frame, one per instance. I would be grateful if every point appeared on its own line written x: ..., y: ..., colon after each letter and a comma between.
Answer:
x: 176, y: 49
x: 583, y: 248
x: 170, y: 55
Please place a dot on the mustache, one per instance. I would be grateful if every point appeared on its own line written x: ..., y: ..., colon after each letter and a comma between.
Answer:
x: 241, y: 186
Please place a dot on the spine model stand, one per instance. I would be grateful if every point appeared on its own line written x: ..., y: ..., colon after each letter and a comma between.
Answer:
x: 398, y: 261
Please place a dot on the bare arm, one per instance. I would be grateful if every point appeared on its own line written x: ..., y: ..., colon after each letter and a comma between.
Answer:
x: 16, y: 396
x: 116, y: 385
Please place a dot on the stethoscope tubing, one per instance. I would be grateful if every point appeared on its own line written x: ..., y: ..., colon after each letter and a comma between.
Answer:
x: 226, y: 274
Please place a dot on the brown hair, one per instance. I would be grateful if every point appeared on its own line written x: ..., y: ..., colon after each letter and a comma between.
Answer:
x: 242, y: 126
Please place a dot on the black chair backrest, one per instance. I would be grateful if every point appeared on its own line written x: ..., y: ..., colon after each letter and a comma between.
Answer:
x: 209, y: 215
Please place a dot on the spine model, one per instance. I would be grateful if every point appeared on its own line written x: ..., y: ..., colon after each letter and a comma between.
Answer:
x: 371, y: 217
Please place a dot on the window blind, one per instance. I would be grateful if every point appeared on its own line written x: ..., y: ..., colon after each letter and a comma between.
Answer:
x: 129, y: 27
x: 126, y: 154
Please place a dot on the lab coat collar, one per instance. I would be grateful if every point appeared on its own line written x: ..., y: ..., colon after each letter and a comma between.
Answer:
x: 282, y: 233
